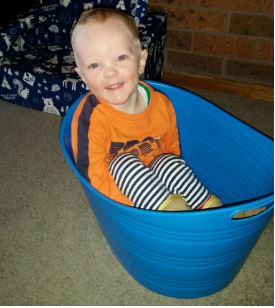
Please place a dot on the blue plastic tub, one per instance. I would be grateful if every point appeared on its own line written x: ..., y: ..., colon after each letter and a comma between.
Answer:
x: 193, y: 254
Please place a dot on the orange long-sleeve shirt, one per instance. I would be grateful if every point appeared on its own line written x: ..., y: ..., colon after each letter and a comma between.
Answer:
x: 100, y: 132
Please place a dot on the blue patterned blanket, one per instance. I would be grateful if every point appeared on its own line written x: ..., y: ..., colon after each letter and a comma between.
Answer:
x: 36, y: 60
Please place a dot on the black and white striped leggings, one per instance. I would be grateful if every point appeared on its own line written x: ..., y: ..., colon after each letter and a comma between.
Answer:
x: 149, y: 187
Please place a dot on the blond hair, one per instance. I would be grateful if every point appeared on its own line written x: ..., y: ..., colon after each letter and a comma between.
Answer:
x: 103, y: 14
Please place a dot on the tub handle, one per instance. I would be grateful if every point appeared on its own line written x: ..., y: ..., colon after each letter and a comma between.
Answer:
x: 242, y: 214
x: 253, y: 208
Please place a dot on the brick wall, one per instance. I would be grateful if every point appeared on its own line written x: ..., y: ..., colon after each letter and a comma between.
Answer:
x: 226, y: 39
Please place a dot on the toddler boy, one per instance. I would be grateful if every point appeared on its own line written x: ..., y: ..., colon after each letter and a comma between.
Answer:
x: 124, y: 133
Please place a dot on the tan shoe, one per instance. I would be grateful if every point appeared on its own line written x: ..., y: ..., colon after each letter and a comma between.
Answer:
x: 174, y: 203
x: 212, y: 202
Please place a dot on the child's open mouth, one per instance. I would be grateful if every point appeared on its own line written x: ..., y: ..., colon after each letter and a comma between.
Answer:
x: 115, y: 86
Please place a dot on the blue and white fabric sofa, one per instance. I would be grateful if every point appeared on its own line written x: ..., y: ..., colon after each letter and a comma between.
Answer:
x: 36, y: 60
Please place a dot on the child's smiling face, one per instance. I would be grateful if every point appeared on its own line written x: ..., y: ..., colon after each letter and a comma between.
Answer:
x: 109, y: 61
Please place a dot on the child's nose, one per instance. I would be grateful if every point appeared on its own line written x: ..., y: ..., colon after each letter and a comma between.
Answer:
x: 110, y: 71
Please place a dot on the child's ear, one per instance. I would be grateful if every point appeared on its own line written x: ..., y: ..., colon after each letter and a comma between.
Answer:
x: 142, y: 61
x: 79, y: 73
x: 77, y: 70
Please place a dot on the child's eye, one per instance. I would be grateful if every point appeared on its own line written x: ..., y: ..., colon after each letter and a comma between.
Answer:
x: 122, y: 57
x: 93, y: 66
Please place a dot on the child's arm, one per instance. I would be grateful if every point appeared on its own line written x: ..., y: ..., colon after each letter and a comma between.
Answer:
x: 89, y: 140
x: 98, y: 172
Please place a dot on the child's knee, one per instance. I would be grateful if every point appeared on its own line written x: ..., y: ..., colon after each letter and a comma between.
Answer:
x: 122, y: 161
x: 167, y: 162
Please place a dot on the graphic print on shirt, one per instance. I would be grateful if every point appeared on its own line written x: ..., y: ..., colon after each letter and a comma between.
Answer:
x: 139, y: 148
